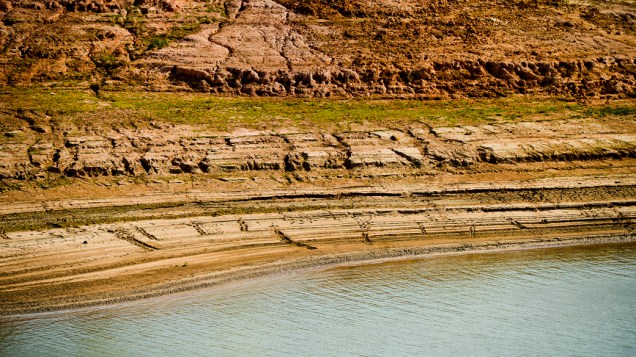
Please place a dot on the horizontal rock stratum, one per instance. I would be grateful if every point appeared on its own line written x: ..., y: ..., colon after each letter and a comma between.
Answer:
x: 419, y: 149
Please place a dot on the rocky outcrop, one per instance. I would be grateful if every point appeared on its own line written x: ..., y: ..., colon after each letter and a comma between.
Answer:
x: 262, y: 52
x: 253, y: 151
x: 257, y: 53
x: 463, y: 78
x: 314, y: 152
x: 558, y: 150
x: 177, y: 150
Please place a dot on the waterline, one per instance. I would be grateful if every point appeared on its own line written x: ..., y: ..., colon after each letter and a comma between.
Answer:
x: 573, y: 300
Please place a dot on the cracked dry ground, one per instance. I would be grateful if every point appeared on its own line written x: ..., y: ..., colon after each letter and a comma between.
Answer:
x: 351, y: 48
x: 266, y: 49
x: 266, y: 202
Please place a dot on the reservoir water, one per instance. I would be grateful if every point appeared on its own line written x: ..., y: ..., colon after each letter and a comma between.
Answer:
x: 564, y: 301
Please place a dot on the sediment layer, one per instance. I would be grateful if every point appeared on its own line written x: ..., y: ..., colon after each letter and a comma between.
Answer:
x: 105, y: 261
x: 419, y: 149
x: 368, y: 256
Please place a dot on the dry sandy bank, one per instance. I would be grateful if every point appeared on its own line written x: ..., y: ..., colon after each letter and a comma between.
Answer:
x: 132, y: 252
x: 310, y: 262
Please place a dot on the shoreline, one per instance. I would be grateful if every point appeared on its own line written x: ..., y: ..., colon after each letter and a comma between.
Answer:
x: 86, y: 256
x: 353, y: 258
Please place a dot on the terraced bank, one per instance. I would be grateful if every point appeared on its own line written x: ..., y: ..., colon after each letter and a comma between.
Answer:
x: 193, y: 244
x: 155, y: 146
x: 417, y: 149
x: 99, y: 204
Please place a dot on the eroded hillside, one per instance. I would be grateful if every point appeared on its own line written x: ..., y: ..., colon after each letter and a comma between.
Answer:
x: 413, y: 48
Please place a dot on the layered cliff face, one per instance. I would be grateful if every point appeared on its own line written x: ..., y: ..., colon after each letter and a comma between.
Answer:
x: 44, y: 148
x: 429, y: 48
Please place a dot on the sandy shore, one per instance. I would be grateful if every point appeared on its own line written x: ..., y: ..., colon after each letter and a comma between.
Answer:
x: 112, y: 252
x: 315, y: 262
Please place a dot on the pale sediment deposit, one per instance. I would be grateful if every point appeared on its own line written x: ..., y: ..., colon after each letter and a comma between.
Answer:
x: 417, y: 149
x: 154, y: 250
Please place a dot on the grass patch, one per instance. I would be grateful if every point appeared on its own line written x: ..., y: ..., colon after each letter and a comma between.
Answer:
x: 610, y: 111
x: 158, y: 42
x: 107, y: 62
x: 175, y: 33
x: 225, y: 113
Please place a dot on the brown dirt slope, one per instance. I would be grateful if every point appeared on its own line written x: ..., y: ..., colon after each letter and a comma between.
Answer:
x: 416, y: 48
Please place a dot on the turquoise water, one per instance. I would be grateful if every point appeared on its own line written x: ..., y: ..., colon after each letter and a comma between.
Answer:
x: 566, y: 302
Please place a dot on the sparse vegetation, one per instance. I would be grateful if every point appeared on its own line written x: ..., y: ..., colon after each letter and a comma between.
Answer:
x: 610, y: 111
x: 147, y: 42
x: 221, y: 113
x: 107, y: 61
x: 134, y: 21
x: 158, y: 42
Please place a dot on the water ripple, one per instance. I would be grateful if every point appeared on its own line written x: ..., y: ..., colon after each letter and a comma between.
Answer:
x: 570, y: 301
